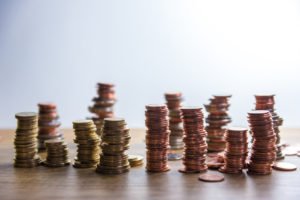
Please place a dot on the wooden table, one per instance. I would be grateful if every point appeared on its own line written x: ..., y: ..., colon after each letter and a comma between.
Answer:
x: 70, y: 183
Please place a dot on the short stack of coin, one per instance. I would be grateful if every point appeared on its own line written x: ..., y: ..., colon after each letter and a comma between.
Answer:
x: 48, y: 124
x: 263, y: 152
x: 267, y: 102
x: 115, y: 142
x: 135, y: 160
x: 157, y: 138
x: 57, y: 153
x: 103, y: 104
x: 87, y: 142
x: 236, y: 150
x: 26, y: 140
x: 195, y: 149
x: 175, y: 122
x: 217, y: 119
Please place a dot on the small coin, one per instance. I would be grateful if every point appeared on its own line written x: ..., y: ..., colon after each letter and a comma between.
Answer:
x: 211, y: 177
x: 26, y: 115
x: 284, y: 166
x: 174, y: 156
x: 290, y: 151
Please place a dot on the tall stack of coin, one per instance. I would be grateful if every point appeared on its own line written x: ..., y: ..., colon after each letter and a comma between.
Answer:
x: 267, y: 102
x: 217, y: 119
x: 57, y: 153
x: 48, y: 124
x: 236, y: 150
x: 26, y: 140
x: 114, y: 144
x: 87, y: 144
x: 263, y: 152
x: 103, y: 104
x: 175, y: 122
x: 157, y: 138
x: 195, y: 149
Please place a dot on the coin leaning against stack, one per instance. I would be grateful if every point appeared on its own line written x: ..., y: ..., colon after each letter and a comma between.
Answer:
x: 114, y: 144
x: 26, y: 140
x: 57, y: 153
x: 87, y: 142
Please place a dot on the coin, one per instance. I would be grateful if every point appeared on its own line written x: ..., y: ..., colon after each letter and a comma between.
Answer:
x: 25, y: 140
x: 103, y: 104
x: 157, y: 136
x: 48, y: 124
x: 26, y: 115
x: 173, y: 102
x: 194, y: 138
x: 87, y: 141
x: 284, y: 166
x: 217, y: 119
x: 115, y: 142
x: 264, y: 142
x: 211, y: 177
x: 267, y: 102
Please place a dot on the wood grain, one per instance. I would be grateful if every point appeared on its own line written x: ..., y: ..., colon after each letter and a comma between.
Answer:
x: 70, y: 183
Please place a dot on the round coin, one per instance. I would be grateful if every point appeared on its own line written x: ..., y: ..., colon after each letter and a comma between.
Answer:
x: 284, y: 166
x: 211, y: 178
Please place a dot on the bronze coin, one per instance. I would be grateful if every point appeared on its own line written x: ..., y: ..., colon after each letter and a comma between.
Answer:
x: 211, y: 178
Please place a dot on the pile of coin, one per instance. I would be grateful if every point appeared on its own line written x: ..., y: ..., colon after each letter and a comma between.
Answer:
x: 175, y: 122
x: 195, y: 149
x: 157, y: 138
x: 87, y: 142
x: 263, y: 152
x: 217, y: 119
x: 135, y: 160
x: 236, y: 150
x: 103, y: 104
x: 267, y: 102
x: 48, y: 124
x: 115, y: 142
x: 57, y: 153
x: 26, y: 140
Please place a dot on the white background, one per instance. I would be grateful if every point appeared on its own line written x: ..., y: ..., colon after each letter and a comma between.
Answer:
x: 58, y: 51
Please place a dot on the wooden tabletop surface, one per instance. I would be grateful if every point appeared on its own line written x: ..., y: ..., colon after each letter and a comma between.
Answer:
x: 69, y: 183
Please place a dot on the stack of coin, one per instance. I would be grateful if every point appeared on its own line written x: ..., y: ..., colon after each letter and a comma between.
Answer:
x: 267, y: 102
x: 195, y: 149
x: 87, y: 144
x: 26, y: 140
x: 217, y: 119
x: 115, y: 142
x: 57, y: 153
x: 236, y: 150
x: 48, y: 124
x: 157, y: 138
x: 263, y: 152
x: 103, y: 105
x: 175, y: 122
x: 135, y: 160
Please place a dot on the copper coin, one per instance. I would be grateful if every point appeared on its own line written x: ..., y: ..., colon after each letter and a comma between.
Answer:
x: 211, y: 178
x: 284, y: 166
